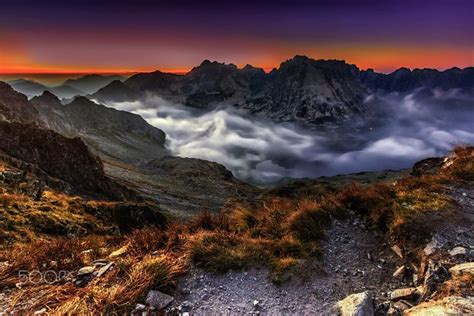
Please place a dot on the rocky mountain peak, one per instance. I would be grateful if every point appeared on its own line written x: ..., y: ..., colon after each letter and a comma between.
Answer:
x: 116, y: 84
x: 81, y: 101
x: 46, y: 99
x: 116, y: 91
x: 304, y: 89
x: 208, y: 69
x: 14, y: 107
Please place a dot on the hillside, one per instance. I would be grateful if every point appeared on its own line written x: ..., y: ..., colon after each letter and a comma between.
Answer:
x: 118, y: 134
x: 320, y: 245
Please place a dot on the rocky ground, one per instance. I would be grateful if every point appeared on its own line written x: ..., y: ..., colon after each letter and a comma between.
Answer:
x: 361, y: 272
x: 356, y: 259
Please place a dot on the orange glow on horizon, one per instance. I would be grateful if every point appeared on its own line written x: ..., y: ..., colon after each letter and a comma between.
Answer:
x: 14, y: 60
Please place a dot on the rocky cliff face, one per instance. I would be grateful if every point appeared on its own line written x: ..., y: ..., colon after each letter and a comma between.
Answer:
x: 64, y: 158
x: 14, y: 107
x: 312, y: 91
x: 302, y: 89
x: 110, y: 132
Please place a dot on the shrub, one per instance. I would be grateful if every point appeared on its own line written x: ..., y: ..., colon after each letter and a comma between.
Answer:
x: 243, y: 219
x: 309, y: 221
x: 146, y: 240
x: 462, y: 166
x: 220, y: 252
x: 206, y: 220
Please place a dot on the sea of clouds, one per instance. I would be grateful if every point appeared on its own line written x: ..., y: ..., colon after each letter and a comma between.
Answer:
x: 404, y: 129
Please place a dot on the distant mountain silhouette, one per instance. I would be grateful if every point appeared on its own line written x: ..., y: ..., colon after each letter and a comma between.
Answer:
x: 405, y: 80
x: 91, y: 83
x: 73, y: 87
x: 302, y: 89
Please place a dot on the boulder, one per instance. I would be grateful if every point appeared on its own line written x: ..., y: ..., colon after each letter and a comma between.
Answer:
x: 359, y: 304
x: 397, y: 308
x: 448, y: 306
x: 158, y: 299
x: 463, y: 269
x: 428, y: 166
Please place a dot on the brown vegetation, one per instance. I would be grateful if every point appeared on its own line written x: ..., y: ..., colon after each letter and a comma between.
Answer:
x: 277, y: 232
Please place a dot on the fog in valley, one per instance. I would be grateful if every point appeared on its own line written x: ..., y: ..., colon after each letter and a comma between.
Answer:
x: 400, y: 130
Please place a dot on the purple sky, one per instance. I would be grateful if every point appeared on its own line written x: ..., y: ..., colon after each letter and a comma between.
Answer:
x: 41, y: 36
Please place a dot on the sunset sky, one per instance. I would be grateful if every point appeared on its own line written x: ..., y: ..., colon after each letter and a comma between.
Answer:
x: 118, y: 36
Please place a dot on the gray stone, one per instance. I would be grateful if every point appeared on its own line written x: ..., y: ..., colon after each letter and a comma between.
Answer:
x: 86, y: 270
x: 359, y: 304
x: 432, y: 246
x: 158, y: 299
x: 140, y: 307
x: 403, y: 293
x: 458, y: 251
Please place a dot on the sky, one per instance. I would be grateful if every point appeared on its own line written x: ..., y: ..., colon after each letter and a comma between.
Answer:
x: 134, y: 36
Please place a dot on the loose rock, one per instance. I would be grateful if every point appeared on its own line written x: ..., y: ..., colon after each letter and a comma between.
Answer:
x: 432, y: 246
x: 462, y: 269
x: 85, y: 270
x: 158, y: 299
x: 399, y: 272
x: 403, y: 293
x: 397, y: 251
x: 458, y: 251
x: 359, y: 304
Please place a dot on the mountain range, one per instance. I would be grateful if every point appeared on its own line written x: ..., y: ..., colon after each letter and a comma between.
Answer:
x: 301, y: 90
x: 69, y: 89
x: 88, y: 148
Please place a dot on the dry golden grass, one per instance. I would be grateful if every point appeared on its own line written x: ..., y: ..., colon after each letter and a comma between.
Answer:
x: 56, y: 214
x: 462, y: 166
x: 119, y: 295
x: 458, y: 286
x: 151, y: 266
x: 397, y: 208
x: 277, y: 233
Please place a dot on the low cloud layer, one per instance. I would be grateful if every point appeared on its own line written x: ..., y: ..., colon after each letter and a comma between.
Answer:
x: 403, y: 130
